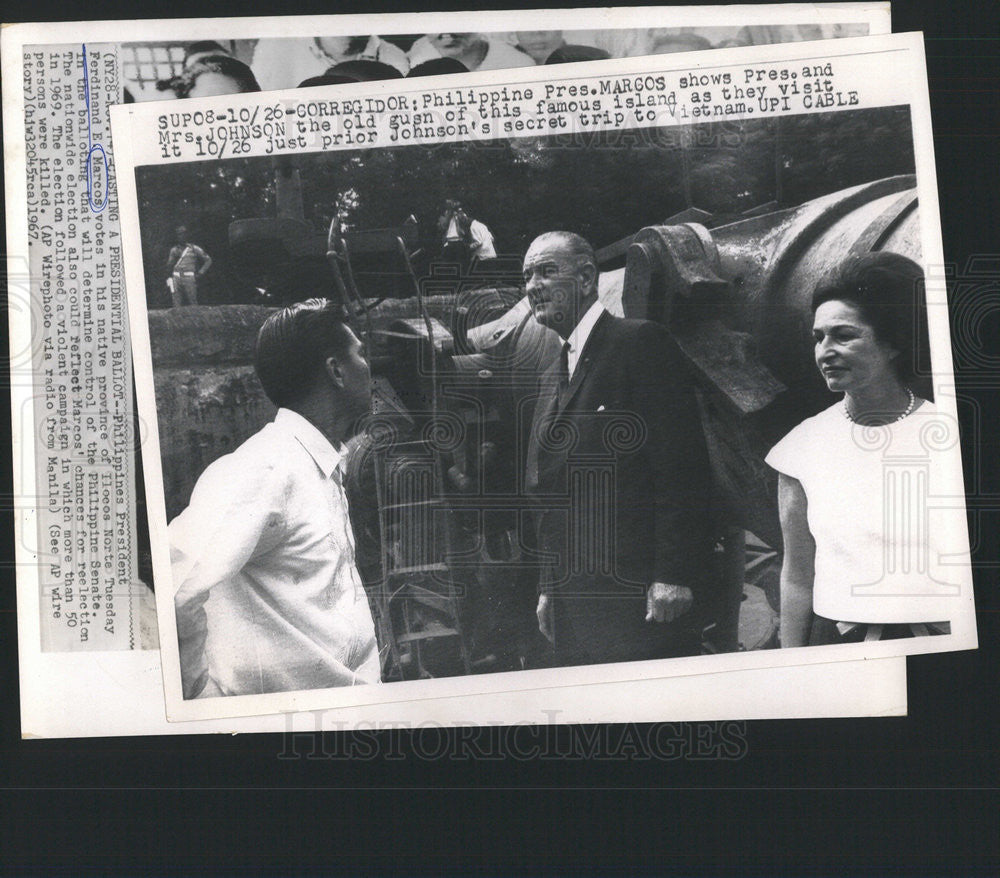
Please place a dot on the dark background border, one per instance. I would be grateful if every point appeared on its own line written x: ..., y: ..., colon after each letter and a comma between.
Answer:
x: 886, y: 796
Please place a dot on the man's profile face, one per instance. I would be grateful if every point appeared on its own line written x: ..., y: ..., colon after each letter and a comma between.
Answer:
x: 181, y: 232
x: 557, y: 281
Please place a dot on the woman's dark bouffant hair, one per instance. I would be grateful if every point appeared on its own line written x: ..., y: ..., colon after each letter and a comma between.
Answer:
x: 888, y: 291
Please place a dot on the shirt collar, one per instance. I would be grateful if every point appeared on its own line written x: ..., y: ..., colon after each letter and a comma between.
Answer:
x: 578, y: 337
x: 326, y: 456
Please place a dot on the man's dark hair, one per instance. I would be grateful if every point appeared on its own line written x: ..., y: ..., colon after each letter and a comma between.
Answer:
x: 325, y: 79
x: 294, y: 343
x: 888, y: 291
x: 572, y: 54
x: 203, y: 46
x: 437, y: 67
x: 364, y: 70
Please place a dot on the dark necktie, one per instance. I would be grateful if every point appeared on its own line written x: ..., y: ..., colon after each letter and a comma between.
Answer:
x: 564, y: 364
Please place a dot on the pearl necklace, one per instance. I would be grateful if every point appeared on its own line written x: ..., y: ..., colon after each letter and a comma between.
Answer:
x: 906, y: 411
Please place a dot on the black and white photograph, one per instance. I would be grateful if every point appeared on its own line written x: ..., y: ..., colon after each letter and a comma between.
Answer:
x: 87, y: 617
x: 496, y: 411
x: 168, y: 69
x: 424, y: 464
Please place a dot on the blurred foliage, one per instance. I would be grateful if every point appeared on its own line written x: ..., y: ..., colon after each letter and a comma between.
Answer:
x: 604, y: 185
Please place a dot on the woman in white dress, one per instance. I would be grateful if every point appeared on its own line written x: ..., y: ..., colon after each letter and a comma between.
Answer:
x: 861, y: 554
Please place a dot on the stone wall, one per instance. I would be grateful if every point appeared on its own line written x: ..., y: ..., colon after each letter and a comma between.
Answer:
x: 208, y: 399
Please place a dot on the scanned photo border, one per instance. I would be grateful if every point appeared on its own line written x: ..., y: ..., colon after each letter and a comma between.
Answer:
x: 908, y: 85
x: 52, y: 684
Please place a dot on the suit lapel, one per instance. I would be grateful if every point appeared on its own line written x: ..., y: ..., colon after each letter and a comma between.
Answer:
x: 565, y: 395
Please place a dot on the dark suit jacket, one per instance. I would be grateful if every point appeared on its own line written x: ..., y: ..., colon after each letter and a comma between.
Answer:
x: 618, y: 471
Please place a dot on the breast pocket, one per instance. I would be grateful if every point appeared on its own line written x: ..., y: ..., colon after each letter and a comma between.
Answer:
x: 320, y: 529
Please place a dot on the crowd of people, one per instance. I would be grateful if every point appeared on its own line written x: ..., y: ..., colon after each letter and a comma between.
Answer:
x: 304, y: 62
x: 274, y: 63
x: 267, y: 593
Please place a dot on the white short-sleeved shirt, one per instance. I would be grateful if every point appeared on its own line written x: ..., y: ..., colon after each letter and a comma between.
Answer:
x: 886, y: 544
x: 267, y: 594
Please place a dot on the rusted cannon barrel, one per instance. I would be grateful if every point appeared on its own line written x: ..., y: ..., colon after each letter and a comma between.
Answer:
x: 737, y: 299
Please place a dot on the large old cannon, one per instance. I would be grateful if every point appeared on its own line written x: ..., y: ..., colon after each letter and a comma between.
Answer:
x: 454, y: 368
x: 736, y: 298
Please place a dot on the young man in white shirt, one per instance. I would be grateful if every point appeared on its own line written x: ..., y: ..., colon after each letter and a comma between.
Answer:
x: 267, y: 594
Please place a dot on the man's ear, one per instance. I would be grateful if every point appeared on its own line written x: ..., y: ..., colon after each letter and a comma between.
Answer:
x: 333, y: 371
x: 588, y: 275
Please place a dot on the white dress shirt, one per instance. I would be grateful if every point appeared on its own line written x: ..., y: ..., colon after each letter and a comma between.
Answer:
x: 578, y: 337
x: 267, y: 594
x: 453, y: 233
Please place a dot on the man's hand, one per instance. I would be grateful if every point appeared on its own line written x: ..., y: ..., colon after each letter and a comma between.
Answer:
x: 665, y: 603
x: 544, y: 613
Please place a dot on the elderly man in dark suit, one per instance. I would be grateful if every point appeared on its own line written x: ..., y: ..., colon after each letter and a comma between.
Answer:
x: 618, y: 473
